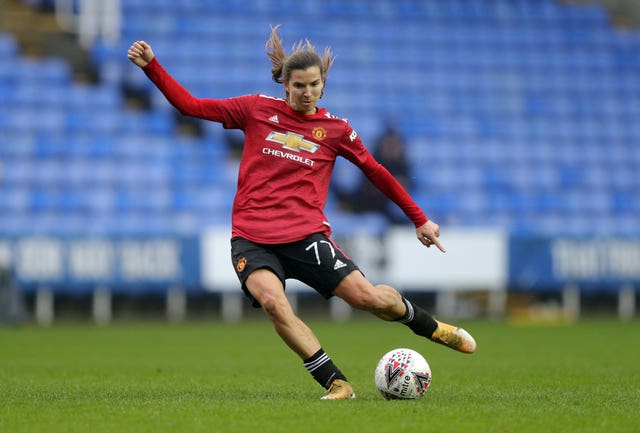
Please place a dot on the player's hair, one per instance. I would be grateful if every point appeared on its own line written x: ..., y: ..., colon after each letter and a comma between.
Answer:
x: 303, y: 56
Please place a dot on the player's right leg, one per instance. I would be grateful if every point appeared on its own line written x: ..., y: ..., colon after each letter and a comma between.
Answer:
x: 268, y: 291
x: 262, y: 277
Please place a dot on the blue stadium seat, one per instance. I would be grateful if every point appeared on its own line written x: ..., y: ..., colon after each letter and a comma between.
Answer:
x: 8, y: 46
x: 501, y: 122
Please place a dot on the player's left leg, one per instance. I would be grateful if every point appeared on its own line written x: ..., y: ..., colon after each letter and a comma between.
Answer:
x: 388, y: 304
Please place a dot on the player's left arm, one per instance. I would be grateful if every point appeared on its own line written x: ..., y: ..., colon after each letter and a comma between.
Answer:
x: 427, y: 231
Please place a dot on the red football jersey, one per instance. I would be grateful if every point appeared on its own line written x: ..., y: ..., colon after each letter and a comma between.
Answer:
x: 287, y: 161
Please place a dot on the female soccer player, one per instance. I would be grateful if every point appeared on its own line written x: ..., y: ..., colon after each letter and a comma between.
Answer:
x: 279, y: 230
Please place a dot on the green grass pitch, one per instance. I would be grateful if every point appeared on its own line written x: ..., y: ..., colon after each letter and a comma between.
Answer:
x: 215, y: 377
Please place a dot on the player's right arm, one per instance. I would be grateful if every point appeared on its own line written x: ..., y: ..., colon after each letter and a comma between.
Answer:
x: 225, y: 111
x: 141, y: 54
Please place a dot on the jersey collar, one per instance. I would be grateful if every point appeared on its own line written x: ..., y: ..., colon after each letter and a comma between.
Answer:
x: 320, y: 113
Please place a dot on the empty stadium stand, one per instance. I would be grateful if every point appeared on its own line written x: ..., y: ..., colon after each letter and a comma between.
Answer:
x: 520, y: 114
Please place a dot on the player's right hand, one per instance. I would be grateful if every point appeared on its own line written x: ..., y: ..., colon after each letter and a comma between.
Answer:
x: 140, y: 53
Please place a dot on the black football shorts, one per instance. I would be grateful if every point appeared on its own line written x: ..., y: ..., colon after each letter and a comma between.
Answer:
x: 316, y: 261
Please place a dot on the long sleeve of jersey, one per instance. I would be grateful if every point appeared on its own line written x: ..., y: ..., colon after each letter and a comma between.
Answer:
x: 389, y: 186
x: 177, y: 95
x: 184, y: 101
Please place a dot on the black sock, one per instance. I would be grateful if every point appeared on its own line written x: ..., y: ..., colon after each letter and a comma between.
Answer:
x: 322, y: 368
x: 418, y: 320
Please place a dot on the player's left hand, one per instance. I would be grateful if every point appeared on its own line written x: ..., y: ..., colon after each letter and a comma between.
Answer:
x: 428, y: 234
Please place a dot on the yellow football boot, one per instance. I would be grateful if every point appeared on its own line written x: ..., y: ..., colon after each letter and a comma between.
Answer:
x: 339, y: 390
x: 454, y: 337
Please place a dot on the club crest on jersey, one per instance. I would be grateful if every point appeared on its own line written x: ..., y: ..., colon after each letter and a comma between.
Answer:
x: 292, y: 141
x: 319, y: 133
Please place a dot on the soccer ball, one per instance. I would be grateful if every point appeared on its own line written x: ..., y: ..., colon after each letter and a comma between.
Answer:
x: 402, y: 374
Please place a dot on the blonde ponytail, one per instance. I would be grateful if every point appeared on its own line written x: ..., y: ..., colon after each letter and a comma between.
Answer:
x: 276, y: 54
x: 303, y: 55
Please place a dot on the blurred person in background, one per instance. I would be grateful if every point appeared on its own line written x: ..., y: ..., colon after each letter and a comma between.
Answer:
x: 390, y: 152
x: 279, y: 230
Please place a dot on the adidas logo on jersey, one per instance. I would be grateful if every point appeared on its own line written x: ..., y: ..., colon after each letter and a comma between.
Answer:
x: 274, y: 119
x: 339, y: 264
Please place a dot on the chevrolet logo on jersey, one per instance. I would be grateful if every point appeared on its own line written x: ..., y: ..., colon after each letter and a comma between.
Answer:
x: 293, y: 141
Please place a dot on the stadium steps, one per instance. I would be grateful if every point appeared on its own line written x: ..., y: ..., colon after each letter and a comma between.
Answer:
x: 39, y: 35
x: 28, y: 25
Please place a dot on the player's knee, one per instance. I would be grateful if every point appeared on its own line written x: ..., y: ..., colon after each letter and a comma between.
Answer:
x: 360, y: 294
x: 276, y: 307
x: 381, y: 298
x: 268, y: 291
x: 364, y: 298
x: 270, y: 304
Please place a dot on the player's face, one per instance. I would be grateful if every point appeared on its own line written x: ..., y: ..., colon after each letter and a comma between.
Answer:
x: 304, y: 89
